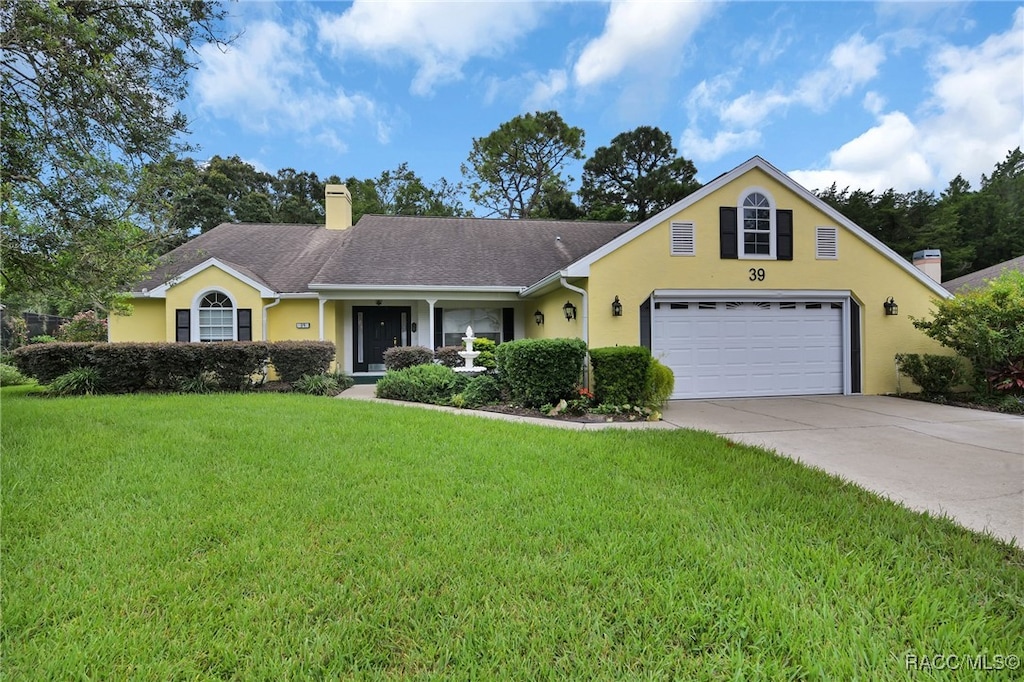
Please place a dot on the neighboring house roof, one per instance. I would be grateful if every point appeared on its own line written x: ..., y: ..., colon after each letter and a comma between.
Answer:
x: 283, y: 257
x: 979, y: 279
x: 459, y: 252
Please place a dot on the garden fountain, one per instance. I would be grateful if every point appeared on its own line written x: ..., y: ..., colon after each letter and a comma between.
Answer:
x: 469, y: 355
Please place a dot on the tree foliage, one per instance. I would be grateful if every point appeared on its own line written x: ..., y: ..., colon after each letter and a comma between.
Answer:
x: 639, y: 173
x: 973, y: 229
x: 89, y: 91
x: 507, y: 170
x: 193, y: 197
x: 401, y: 192
x: 985, y: 326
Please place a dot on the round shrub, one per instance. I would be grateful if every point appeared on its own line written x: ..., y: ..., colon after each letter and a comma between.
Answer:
x: 486, y: 358
x: 541, y: 371
x: 421, y: 384
x: 402, y: 357
x: 660, y: 383
x: 449, y: 356
x: 483, y: 389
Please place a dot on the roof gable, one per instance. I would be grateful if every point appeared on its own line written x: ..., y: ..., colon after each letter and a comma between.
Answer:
x: 240, y: 273
x: 281, y: 258
x: 581, y: 267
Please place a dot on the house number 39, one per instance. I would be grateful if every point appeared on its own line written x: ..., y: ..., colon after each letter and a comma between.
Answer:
x: 756, y: 274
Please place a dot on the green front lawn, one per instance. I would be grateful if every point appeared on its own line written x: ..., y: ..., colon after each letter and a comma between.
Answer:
x: 270, y: 536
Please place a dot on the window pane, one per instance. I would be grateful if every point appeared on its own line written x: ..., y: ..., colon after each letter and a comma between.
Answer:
x: 486, y: 322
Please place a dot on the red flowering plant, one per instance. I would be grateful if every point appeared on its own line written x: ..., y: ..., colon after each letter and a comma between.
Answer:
x: 583, y: 401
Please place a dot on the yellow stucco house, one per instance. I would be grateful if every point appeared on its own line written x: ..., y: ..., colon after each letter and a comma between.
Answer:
x: 749, y: 287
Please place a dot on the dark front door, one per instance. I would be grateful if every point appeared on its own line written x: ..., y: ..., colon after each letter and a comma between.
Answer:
x: 377, y: 328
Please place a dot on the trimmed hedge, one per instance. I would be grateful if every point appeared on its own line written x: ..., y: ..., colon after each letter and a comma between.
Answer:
x: 541, y: 371
x: 421, y: 384
x: 129, y: 367
x: 176, y: 366
x: 620, y: 374
x: 401, y: 357
x: 234, y: 362
x: 121, y: 367
x: 293, y: 359
x: 46, y: 361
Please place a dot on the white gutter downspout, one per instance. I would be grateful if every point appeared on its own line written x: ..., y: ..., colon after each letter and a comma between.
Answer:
x: 586, y: 328
x: 323, y: 302
x: 265, y: 309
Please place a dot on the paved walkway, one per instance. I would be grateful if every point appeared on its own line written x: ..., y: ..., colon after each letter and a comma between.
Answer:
x: 967, y: 464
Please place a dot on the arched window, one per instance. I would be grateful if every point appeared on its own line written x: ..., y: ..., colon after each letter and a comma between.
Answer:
x: 216, y: 318
x: 756, y: 238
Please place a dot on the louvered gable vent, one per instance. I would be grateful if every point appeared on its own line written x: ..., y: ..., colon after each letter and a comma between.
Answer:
x: 683, y: 239
x: 826, y: 243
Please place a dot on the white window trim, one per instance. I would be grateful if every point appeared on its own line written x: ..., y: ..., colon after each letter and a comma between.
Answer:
x: 773, y: 230
x: 194, y: 322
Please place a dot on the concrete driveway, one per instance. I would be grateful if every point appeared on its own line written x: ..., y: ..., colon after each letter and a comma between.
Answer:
x: 967, y: 464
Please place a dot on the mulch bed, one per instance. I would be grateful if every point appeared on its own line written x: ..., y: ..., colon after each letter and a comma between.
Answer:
x: 585, y: 418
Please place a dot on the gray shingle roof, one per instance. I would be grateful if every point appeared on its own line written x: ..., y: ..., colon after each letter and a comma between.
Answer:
x: 284, y: 257
x: 393, y: 250
x: 978, y: 279
x: 469, y: 252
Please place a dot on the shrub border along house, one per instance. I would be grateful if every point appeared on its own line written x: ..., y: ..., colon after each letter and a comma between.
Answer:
x: 132, y: 367
x: 544, y: 374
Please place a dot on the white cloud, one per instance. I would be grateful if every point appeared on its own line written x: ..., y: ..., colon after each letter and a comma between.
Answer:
x: 887, y: 155
x: 546, y: 89
x: 850, y: 64
x: 440, y: 37
x: 265, y: 81
x: 874, y: 102
x: 636, y: 34
x: 974, y: 117
x: 699, y: 148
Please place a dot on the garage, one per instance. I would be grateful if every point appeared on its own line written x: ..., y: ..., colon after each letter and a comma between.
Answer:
x: 725, y: 349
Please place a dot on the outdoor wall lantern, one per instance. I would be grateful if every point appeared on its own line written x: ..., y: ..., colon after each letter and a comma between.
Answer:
x: 891, y: 308
x: 539, y: 317
x: 570, y: 311
x: 616, y: 307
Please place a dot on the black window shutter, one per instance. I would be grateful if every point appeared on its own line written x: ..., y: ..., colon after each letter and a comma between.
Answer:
x: 645, y: 324
x: 784, y: 234
x: 245, y: 324
x: 727, y: 232
x: 508, y: 324
x: 438, y: 328
x: 182, y: 325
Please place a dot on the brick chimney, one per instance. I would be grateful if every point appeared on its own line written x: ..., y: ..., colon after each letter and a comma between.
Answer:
x: 338, y: 207
x: 929, y: 261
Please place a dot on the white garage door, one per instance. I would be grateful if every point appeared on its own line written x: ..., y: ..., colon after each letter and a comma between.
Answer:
x: 738, y: 349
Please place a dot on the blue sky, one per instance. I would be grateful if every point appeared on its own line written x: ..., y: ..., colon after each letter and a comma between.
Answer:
x: 867, y: 95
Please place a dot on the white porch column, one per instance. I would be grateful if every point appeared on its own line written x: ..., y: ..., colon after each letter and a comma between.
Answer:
x: 430, y: 327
